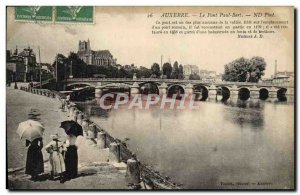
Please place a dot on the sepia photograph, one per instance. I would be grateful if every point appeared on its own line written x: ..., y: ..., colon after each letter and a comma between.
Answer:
x: 150, y: 98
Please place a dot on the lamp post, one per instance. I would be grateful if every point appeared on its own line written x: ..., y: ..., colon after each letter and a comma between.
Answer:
x: 71, y: 74
x: 161, y: 64
x: 56, y: 69
x: 40, y: 68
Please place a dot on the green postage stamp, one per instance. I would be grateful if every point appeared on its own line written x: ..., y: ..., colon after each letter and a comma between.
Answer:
x: 62, y: 14
x: 74, y: 14
x: 34, y: 13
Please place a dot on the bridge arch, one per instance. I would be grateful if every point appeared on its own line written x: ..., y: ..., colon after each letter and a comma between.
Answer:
x: 281, y: 94
x: 263, y: 94
x: 201, y: 92
x: 225, y: 92
x: 115, y: 88
x: 149, y: 88
x: 175, y: 89
x: 244, y: 93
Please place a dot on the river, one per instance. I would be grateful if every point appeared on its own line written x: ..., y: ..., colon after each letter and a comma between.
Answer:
x: 218, y: 146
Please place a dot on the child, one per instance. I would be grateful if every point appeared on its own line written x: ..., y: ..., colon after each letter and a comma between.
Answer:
x: 57, y: 163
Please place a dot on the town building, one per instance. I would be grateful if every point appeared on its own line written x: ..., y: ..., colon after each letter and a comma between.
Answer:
x: 21, y: 65
x: 280, y: 77
x: 208, y: 75
x: 91, y: 57
x: 45, y: 67
x: 283, y: 77
x: 190, y: 69
x: 219, y: 78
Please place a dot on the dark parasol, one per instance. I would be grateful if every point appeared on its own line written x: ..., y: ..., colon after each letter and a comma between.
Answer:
x: 72, y: 128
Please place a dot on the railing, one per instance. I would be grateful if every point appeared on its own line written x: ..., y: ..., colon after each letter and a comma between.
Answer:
x: 44, y: 92
x: 43, y: 83
x: 180, y: 81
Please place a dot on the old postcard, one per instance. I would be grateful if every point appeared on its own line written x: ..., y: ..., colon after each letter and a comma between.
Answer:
x: 148, y: 98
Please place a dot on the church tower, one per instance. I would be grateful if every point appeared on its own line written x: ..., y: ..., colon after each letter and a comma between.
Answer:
x: 84, y: 45
x: 84, y: 51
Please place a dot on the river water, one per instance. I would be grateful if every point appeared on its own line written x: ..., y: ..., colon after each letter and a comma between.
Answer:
x: 218, y: 146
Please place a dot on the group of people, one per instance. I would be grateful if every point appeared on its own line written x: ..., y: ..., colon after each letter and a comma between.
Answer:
x: 63, y: 158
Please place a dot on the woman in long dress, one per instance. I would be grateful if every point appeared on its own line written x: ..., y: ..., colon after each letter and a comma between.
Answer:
x: 34, y: 162
x: 71, y: 157
x: 57, y: 163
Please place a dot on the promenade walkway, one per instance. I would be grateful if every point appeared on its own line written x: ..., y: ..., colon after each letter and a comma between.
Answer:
x: 94, y: 170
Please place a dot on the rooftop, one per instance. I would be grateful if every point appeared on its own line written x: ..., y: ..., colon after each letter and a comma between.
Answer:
x: 102, y: 54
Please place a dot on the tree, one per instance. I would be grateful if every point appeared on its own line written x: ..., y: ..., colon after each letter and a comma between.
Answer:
x: 258, y: 66
x: 167, y: 70
x: 180, y: 72
x: 194, y: 76
x: 175, y: 71
x: 114, y: 72
x: 245, y: 70
x: 78, y: 66
x: 60, y: 71
x: 144, y: 72
x: 65, y: 64
x: 155, y: 70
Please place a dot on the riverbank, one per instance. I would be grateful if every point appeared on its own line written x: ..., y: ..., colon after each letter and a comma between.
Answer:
x: 94, y: 171
x: 90, y: 153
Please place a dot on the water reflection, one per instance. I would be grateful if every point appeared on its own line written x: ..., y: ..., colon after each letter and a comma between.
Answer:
x: 245, y: 113
x: 228, y: 141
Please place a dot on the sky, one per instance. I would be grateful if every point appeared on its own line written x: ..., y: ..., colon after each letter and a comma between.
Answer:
x: 127, y: 33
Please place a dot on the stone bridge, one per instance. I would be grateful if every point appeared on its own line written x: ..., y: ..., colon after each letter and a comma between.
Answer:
x: 203, y: 89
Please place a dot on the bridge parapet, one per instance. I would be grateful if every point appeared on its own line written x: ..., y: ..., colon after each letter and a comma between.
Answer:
x: 193, y: 82
x: 209, y: 89
x: 203, y: 89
